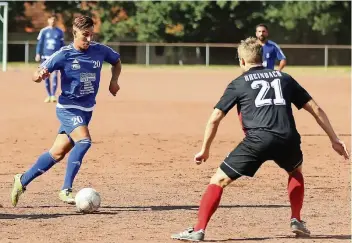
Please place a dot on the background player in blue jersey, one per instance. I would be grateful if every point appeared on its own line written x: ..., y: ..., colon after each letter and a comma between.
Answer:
x: 50, y: 39
x: 271, y: 50
x: 80, y: 65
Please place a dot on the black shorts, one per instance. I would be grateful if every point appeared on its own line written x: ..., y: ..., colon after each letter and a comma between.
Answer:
x: 259, y: 146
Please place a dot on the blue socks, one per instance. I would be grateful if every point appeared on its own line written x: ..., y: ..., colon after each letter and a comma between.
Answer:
x: 47, y: 86
x: 74, y: 161
x: 43, y: 164
x: 54, y: 83
x: 46, y: 161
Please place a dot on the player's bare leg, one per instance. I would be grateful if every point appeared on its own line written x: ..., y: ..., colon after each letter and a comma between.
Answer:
x: 82, y: 140
x: 60, y: 148
x: 295, y: 189
x: 208, y: 205
x: 54, y: 87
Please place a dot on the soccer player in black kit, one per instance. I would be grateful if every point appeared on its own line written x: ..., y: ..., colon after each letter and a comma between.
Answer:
x: 263, y: 98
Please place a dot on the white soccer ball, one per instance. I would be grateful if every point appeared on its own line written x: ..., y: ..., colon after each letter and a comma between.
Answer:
x: 87, y: 200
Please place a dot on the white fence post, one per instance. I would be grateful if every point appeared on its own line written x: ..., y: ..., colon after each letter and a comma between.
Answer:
x: 26, y: 52
x: 164, y: 57
x: 207, y: 55
x: 326, y: 57
x: 147, y: 54
x: 4, y: 38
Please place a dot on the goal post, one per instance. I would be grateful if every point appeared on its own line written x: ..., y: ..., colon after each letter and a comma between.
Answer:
x: 3, y: 34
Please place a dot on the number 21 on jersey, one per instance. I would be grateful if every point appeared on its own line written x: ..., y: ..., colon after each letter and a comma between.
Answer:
x: 265, y: 86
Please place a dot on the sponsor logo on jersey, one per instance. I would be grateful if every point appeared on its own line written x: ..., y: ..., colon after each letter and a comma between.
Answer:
x: 75, y: 65
x: 88, y: 77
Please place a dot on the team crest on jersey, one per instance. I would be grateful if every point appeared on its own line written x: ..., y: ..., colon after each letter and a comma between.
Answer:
x: 75, y: 65
x: 268, y: 55
x: 47, y: 35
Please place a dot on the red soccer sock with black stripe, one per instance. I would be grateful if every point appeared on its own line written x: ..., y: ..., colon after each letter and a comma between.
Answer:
x: 208, y: 205
x: 296, y: 193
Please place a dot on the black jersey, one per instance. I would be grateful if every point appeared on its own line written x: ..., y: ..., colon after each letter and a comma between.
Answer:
x: 263, y: 98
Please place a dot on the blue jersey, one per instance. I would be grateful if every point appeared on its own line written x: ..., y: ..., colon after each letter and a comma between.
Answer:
x: 271, y: 53
x: 50, y: 40
x: 80, y: 73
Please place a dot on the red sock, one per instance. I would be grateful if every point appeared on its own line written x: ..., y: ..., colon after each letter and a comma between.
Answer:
x: 296, y: 193
x: 208, y: 205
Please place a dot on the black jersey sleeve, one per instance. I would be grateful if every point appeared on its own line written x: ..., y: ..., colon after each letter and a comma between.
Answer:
x: 299, y: 96
x: 228, y: 99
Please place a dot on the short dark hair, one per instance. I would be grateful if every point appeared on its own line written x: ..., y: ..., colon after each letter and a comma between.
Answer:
x: 52, y: 15
x: 83, y: 22
x: 262, y: 25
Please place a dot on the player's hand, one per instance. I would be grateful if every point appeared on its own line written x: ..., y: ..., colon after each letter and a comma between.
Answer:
x: 37, y: 58
x: 340, y: 148
x: 114, y: 87
x: 201, y: 157
x: 44, y: 73
x: 40, y: 74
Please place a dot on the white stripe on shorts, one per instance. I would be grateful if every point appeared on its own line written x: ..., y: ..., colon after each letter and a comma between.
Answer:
x: 232, y: 168
x: 298, y: 164
x: 58, y: 105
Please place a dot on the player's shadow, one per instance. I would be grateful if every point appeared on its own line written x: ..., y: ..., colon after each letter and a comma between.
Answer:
x: 336, y: 237
x: 46, y: 206
x: 312, y: 237
x: 324, y: 135
x: 184, y: 207
x: 113, y: 210
x: 35, y: 216
x: 242, y: 239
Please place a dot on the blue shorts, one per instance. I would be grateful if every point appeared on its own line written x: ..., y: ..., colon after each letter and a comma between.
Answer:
x: 72, y: 118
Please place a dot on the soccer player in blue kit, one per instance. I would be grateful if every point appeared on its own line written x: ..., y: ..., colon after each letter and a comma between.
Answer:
x: 270, y: 50
x: 80, y: 65
x: 50, y: 40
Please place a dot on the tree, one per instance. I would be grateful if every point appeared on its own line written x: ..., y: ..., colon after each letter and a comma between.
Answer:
x: 69, y: 10
x: 16, y: 16
x: 324, y: 22
x: 115, y: 19
x: 160, y: 21
x: 317, y: 20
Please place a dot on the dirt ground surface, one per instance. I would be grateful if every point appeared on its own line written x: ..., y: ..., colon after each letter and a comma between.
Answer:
x: 141, y: 162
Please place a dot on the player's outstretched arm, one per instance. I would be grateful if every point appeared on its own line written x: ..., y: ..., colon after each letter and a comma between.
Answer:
x: 282, y: 64
x: 115, y: 74
x: 209, y: 135
x: 39, y: 46
x: 320, y: 116
x: 280, y: 56
x: 40, y: 74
